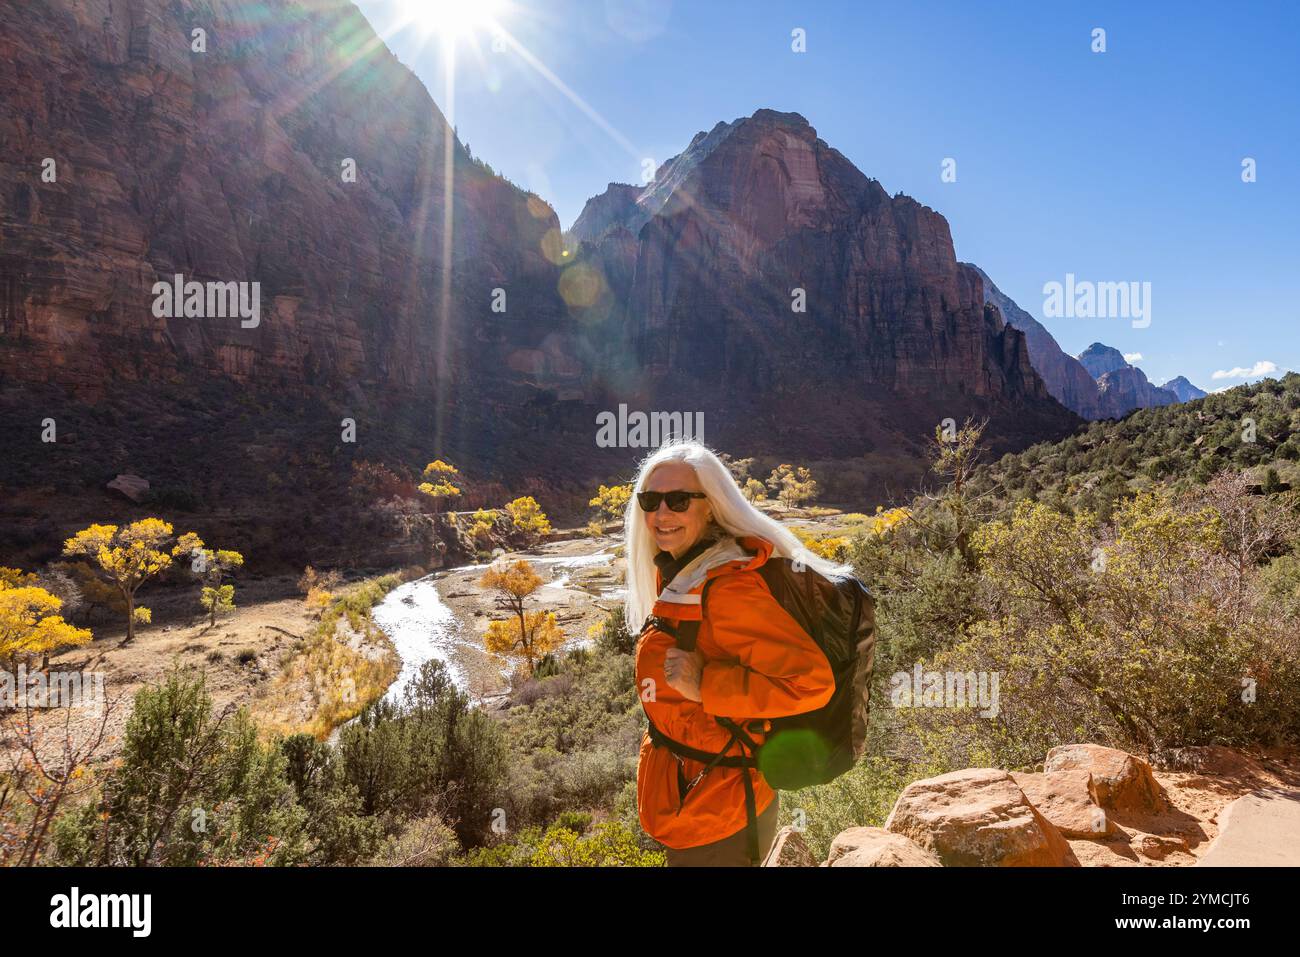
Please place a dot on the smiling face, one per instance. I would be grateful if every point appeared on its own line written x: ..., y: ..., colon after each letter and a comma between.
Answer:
x: 676, y: 531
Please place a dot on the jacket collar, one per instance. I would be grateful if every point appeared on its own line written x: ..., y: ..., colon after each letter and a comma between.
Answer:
x: 669, y: 566
x: 681, y: 597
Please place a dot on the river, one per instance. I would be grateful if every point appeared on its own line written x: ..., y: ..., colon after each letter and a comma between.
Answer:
x: 442, y: 616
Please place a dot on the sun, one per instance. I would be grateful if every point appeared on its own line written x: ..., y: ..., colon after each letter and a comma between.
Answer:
x: 450, y: 20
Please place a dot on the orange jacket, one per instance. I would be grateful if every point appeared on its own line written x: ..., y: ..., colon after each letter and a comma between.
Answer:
x: 759, y: 663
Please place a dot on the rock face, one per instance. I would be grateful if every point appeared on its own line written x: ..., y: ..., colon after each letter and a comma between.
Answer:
x: 1100, y: 383
x: 1120, y: 781
x: 1121, y: 388
x: 1066, y: 378
x: 763, y: 279
x: 978, y: 818
x: 1066, y: 799
x: 1185, y: 391
x: 616, y: 207
x: 789, y: 850
x: 876, y: 847
x: 127, y: 157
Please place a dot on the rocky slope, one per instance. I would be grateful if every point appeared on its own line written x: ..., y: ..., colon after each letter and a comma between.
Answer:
x: 1066, y: 378
x: 764, y: 279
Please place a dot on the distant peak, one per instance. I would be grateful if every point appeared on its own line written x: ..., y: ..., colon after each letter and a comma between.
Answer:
x: 783, y: 119
x: 1098, y: 348
x: 1100, y: 359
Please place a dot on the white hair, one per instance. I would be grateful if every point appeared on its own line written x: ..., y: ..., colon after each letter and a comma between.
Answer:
x: 731, y: 511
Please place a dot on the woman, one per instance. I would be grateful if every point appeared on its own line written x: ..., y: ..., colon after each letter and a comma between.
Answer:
x: 744, y: 658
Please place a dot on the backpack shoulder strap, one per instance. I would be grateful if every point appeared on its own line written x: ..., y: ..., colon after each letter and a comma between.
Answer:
x: 687, y: 633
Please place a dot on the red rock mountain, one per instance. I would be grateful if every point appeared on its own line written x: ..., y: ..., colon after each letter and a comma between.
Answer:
x: 709, y: 262
x: 127, y: 156
x: 228, y: 165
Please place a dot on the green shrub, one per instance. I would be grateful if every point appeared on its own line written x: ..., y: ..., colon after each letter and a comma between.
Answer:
x: 192, y: 787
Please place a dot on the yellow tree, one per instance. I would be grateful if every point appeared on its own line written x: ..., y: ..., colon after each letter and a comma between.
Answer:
x: 529, y: 639
x: 609, y: 503
x: 528, y: 517
x: 792, y: 484
x: 30, y: 623
x: 210, y: 566
x: 529, y: 635
x: 439, y: 482
x: 126, y: 558
x: 481, y: 526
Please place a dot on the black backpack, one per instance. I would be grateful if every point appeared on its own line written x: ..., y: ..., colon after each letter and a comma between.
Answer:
x: 818, y: 746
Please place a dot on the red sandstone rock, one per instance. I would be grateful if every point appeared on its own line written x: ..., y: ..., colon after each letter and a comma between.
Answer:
x: 789, y: 850
x: 876, y: 847
x: 1065, y: 798
x: 701, y: 271
x: 132, y: 486
x: 978, y: 817
x: 1120, y: 781
x: 227, y: 166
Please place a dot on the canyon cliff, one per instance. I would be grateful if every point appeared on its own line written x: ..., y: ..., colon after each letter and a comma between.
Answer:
x: 1099, y: 383
x: 763, y: 278
x: 760, y: 279
x: 234, y: 164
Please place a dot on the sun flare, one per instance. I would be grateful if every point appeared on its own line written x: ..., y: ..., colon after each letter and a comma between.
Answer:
x: 450, y: 19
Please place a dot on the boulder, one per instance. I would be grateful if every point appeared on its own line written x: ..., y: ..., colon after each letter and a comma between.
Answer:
x: 789, y: 850
x: 1065, y: 798
x: 978, y: 817
x: 1120, y: 781
x: 132, y: 486
x: 876, y: 847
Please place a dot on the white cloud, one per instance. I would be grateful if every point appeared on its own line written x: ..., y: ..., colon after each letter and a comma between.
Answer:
x: 1262, y: 367
x: 1132, y: 357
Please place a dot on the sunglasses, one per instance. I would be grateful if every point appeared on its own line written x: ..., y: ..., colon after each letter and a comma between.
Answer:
x: 678, y: 500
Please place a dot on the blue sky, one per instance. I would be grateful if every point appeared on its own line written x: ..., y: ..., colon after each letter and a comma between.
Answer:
x: 1122, y: 166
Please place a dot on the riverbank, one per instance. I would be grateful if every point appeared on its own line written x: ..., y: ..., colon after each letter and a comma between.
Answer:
x: 446, y: 614
x: 268, y: 655
x: 264, y: 656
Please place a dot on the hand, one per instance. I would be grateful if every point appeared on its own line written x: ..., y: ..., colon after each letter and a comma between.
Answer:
x: 683, y: 669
